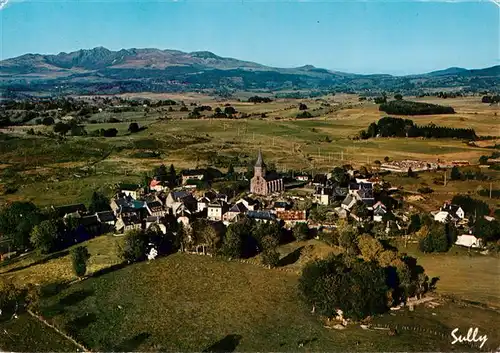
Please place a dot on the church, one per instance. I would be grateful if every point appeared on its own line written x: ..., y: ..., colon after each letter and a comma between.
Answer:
x: 263, y: 183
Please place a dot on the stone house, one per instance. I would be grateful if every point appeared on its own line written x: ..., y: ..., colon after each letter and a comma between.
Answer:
x: 216, y: 210
x: 263, y: 183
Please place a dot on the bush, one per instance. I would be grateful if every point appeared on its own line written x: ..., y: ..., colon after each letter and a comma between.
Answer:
x: 79, y: 258
x: 45, y: 236
x: 133, y: 128
x: 356, y: 287
x: 304, y: 115
x: 301, y: 231
x: 135, y: 246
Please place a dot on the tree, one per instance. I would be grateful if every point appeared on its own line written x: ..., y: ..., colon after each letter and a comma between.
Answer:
x: 229, y: 110
x: 398, y: 97
x: 16, y: 222
x: 415, y: 223
x: 45, y: 236
x: 410, y: 173
x: 61, y: 128
x: 110, y: 132
x: 483, y: 160
x: 372, y: 130
x: 133, y: 128
x: 135, y: 246
x: 386, y: 159
x: 369, y: 247
x: 361, y: 210
x: 232, y: 245
x: 79, y: 258
x: 455, y: 173
x: 269, y: 244
x: 301, y: 231
x: 10, y: 296
x: 47, y: 121
x: 347, y: 238
x: 356, y: 287
x: 339, y: 176
x: 302, y: 106
x: 98, y: 203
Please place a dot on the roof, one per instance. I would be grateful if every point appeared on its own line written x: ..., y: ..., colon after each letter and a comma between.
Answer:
x: 151, y: 219
x: 281, y: 204
x: 106, y: 216
x: 365, y: 194
x: 348, y: 200
x: 179, y: 194
x: 250, y: 201
x: 192, y: 172
x: 239, y: 207
x: 261, y: 215
x: 451, y: 208
x: 216, y: 203
x: 291, y: 215
x: 320, y: 178
x: 341, y: 191
x: 89, y: 220
x: 63, y: 210
x: 130, y: 220
x: 260, y: 160
x: 154, y: 204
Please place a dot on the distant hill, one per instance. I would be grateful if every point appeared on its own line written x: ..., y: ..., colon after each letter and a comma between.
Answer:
x: 100, y: 70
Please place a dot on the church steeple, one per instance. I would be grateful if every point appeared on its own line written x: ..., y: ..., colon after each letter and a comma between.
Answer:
x: 260, y: 166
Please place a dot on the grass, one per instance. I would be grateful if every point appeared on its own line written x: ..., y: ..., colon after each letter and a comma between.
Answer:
x: 474, y: 278
x: 187, y: 303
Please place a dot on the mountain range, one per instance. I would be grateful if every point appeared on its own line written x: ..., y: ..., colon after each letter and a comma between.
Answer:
x: 100, y: 70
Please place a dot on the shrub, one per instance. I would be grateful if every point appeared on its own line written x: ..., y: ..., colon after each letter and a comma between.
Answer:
x: 135, y: 246
x: 356, y: 287
x: 301, y: 231
x: 133, y: 128
x: 79, y: 258
x: 45, y: 236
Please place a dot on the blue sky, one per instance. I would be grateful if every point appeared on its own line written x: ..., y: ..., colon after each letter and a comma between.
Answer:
x: 397, y: 37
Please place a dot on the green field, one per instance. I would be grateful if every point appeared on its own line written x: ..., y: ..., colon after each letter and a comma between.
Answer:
x: 187, y: 303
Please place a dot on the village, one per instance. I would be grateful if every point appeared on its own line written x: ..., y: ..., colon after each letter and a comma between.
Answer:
x: 345, y: 194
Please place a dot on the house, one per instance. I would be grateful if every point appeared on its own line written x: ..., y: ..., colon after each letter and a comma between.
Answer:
x: 341, y: 212
x: 107, y: 220
x: 250, y: 204
x: 63, y: 211
x: 193, y: 174
x: 340, y: 192
x: 304, y: 177
x: 157, y: 185
x: 216, y: 210
x: 455, y: 211
x: 106, y: 217
x: 264, y: 183
x: 323, y: 195
x: 350, y: 201
x: 125, y: 224
x: 292, y: 217
x: 261, y: 216
x: 181, y: 209
x: 175, y: 198
x: 366, y: 195
x: 234, y: 212
x: 379, y: 210
x: 320, y: 180
x: 156, y: 221
x: 132, y: 191
x: 443, y: 217
x: 469, y: 241
x: 91, y: 224
x: 155, y: 208
x: 202, y: 203
x: 281, y: 206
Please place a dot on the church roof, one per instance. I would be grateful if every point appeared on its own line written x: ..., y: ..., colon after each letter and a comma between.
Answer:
x: 260, y: 161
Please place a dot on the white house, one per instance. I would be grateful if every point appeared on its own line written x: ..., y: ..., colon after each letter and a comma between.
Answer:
x: 442, y: 216
x: 202, y: 203
x: 455, y: 211
x: 469, y: 241
x: 216, y: 210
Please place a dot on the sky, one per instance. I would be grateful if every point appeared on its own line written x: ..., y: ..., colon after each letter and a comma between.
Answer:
x: 372, y: 36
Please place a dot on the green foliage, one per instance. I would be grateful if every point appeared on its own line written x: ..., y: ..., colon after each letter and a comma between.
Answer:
x: 403, y: 107
x: 16, y: 222
x: 135, y: 246
x: 10, y: 296
x: 356, y: 287
x: 415, y: 223
x: 257, y: 99
x: 79, y: 258
x: 99, y: 202
x: 304, y: 115
x: 437, y: 240
x: 369, y: 247
x: 301, y: 231
x: 398, y: 97
x: 232, y: 245
x: 133, y: 128
x: 61, y: 128
x: 455, y: 173
x: 45, y: 236
x: 471, y: 206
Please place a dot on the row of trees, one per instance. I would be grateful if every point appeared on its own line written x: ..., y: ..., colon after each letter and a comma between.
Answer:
x: 258, y: 99
x: 398, y: 127
x: 491, y: 99
x: 404, y: 107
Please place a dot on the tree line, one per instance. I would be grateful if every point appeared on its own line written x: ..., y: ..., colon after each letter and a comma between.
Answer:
x: 404, y: 107
x: 398, y: 127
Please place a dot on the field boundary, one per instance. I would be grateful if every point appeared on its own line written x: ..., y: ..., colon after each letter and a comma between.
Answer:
x: 69, y: 338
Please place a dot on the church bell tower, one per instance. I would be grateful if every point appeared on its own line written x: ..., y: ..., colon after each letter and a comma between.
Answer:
x: 260, y: 167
